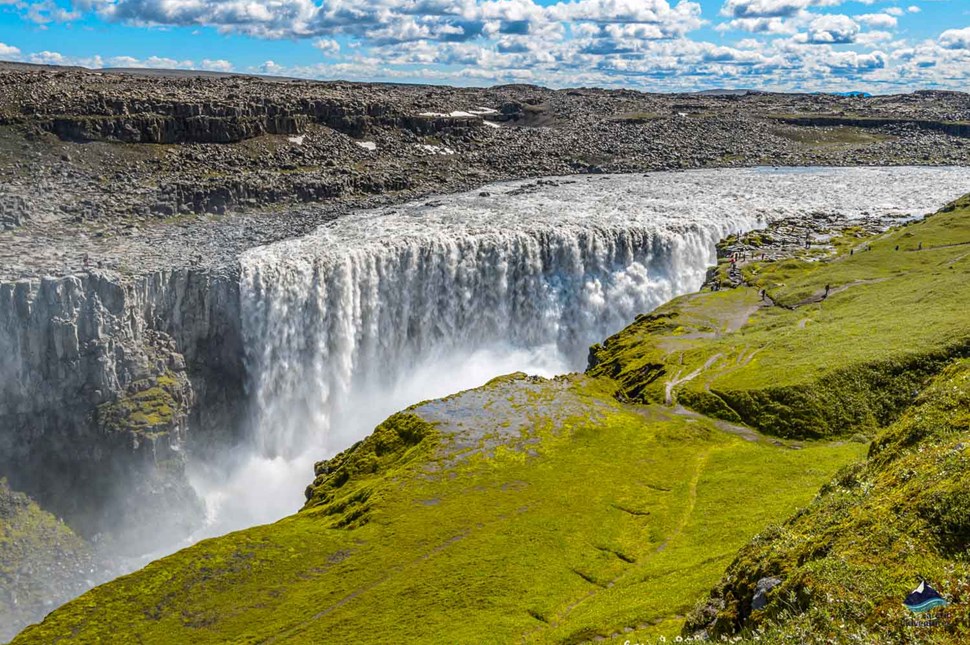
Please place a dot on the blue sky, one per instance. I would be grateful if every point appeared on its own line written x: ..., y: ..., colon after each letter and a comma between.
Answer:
x: 660, y: 45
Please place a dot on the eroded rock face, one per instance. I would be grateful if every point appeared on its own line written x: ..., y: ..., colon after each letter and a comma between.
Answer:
x: 100, y: 381
x: 14, y: 211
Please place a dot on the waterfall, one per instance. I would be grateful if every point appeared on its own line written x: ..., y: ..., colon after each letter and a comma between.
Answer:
x: 322, y: 324
x: 556, y: 265
x: 386, y: 307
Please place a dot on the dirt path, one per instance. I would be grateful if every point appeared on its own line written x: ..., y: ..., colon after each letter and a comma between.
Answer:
x: 676, y: 380
x: 744, y: 432
x: 820, y: 296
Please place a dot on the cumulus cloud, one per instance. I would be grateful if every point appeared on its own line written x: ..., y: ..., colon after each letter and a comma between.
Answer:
x: 877, y: 20
x: 831, y: 30
x: 387, y: 21
x: 956, y: 38
x: 786, y: 44
x: 773, y: 25
x: 327, y: 45
x: 854, y: 61
x: 8, y: 51
x: 219, y: 65
x: 771, y: 8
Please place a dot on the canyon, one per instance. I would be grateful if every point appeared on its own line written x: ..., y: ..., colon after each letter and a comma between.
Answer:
x: 187, y: 330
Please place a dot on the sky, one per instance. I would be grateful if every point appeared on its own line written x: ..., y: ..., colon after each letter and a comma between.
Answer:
x: 878, y: 46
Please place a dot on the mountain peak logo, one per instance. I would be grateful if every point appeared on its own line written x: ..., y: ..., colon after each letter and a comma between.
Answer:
x: 924, y: 598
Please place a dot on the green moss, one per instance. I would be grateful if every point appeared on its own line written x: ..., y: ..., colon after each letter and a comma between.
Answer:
x: 873, y: 533
x: 568, y: 514
x: 345, y: 484
x: 41, y: 561
x: 150, y: 406
x: 584, y: 507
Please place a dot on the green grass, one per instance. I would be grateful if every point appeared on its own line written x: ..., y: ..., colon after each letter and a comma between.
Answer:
x: 874, y: 532
x: 572, y: 524
x: 813, y: 368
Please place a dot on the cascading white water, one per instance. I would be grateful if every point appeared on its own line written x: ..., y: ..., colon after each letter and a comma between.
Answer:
x: 343, y: 320
x: 384, y: 308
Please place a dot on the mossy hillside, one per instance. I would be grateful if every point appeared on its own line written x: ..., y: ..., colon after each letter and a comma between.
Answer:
x: 525, y: 510
x: 875, y: 531
x: 42, y: 562
x: 801, y: 365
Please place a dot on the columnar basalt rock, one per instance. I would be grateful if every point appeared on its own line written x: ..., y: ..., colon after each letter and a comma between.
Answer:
x: 101, y: 380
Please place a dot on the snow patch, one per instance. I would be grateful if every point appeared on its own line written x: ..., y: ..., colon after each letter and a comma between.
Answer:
x: 436, y: 150
x: 297, y: 140
x: 457, y: 114
x: 367, y: 145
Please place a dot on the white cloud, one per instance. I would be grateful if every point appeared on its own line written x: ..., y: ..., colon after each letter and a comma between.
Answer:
x: 270, y: 67
x: 788, y: 44
x: 956, y: 38
x: 773, y: 25
x: 220, y: 65
x: 327, y: 45
x: 8, y: 51
x: 771, y: 8
x: 877, y: 20
x: 831, y: 30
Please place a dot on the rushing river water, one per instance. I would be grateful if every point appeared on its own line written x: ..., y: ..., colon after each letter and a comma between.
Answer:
x: 385, y: 308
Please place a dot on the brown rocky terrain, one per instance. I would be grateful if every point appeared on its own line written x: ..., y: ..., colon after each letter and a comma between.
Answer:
x: 132, y: 171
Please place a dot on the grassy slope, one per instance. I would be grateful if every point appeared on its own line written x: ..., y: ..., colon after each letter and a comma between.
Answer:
x: 810, y: 368
x: 587, y: 518
x: 41, y: 561
x: 846, y: 563
x: 549, y: 511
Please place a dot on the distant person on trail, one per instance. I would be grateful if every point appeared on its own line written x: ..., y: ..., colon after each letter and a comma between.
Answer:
x: 920, y: 247
x: 826, y: 292
x: 897, y: 247
x: 763, y: 294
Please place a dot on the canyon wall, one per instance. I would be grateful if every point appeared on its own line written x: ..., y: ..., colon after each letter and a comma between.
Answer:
x: 101, y: 377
